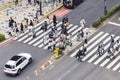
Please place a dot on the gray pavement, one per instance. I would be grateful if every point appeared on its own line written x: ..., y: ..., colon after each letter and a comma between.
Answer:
x: 13, y: 48
x: 23, y: 9
x: 71, y: 69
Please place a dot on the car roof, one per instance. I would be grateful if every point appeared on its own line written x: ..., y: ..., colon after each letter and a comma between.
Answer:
x: 10, y: 62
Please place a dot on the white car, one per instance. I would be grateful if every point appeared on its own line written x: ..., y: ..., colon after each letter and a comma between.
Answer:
x: 17, y: 63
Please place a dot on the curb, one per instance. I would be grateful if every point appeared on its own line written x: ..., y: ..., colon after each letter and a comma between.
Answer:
x: 8, y: 5
x: 5, y: 41
x: 53, y: 11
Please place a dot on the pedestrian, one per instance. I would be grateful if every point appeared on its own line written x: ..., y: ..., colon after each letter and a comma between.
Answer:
x: 69, y: 36
x: 35, y: 1
x: 29, y: 1
x: 117, y: 45
x: 54, y: 44
x: 68, y: 44
x: 21, y: 28
x: 36, y: 15
x: 16, y: 28
x: 78, y: 36
x: 45, y: 26
x: 65, y: 20
x: 82, y: 22
x: 99, y: 50
x: 81, y: 33
x: 86, y: 38
x: 45, y: 39
x: 51, y: 35
x: 16, y: 2
x: 31, y: 23
x: 50, y: 44
x: 110, y: 53
x: 11, y: 21
x: 48, y: 20
x: 54, y: 20
x: 84, y: 50
x: 9, y: 31
x: 79, y: 55
x: 33, y: 32
x: 112, y: 42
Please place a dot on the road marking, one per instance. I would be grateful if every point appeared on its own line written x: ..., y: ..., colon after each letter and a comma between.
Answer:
x: 90, y: 47
x: 99, y: 34
x: 51, y: 67
x: 113, y: 23
x: 107, y: 60
x: 113, y: 62
x: 116, y: 67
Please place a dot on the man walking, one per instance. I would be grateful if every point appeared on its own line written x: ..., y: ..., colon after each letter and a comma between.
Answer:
x: 82, y: 22
x: 54, y: 20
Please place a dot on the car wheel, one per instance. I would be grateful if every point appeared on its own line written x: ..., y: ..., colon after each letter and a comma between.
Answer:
x: 30, y: 60
x: 19, y: 71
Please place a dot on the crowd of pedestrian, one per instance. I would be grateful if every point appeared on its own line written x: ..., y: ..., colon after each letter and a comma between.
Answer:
x: 57, y: 38
x: 111, y: 50
x: 14, y: 28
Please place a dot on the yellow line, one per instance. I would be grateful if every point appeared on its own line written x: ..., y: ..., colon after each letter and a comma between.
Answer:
x: 52, y: 11
x: 8, y: 5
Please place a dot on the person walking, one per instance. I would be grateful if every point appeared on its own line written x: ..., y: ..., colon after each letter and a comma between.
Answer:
x: 82, y: 33
x: 82, y: 22
x: 16, y: 2
x: 112, y: 42
x: 50, y: 44
x: 29, y: 1
x: 99, y: 50
x: 45, y: 26
x: 86, y: 38
x: 35, y: 2
x: 117, y: 45
x: 21, y: 28
x: 31, y: 23
x: 78, y: 36
x: 79, y: 55
x: 84, y: 50
x: 54, y: 20
x: 54, y: 44
x: 11, y: 21
x: 110, y: 53
x: 16, y: 28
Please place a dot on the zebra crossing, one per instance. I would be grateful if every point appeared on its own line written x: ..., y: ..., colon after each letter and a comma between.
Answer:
x: 102, y: 61
x: 38, y: 41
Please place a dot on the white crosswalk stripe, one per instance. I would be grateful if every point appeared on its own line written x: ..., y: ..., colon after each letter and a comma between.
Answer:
x: 38, y: 41
x: 102, y: 61
x: 89, y: 42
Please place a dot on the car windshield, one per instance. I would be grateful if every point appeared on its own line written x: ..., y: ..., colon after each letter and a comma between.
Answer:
x: 9, y: 66
x: 15, y: 58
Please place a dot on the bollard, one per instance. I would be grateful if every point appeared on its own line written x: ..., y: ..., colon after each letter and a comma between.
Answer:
x: 50, y: 62
x: 43, y: 67
x: 36, y: 73
x: 39, y: 69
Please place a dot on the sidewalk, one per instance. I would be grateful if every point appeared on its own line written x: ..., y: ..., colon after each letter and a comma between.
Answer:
x: 23, y: 9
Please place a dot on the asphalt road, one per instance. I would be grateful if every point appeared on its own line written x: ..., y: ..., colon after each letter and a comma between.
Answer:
x: 68, y: 68
x: 90, y: 10
x: 6, y: 52
x: 71, y: 69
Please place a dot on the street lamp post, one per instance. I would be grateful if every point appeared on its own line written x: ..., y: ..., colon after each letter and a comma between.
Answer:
x: 105, y: 7
x: 40, y: 4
